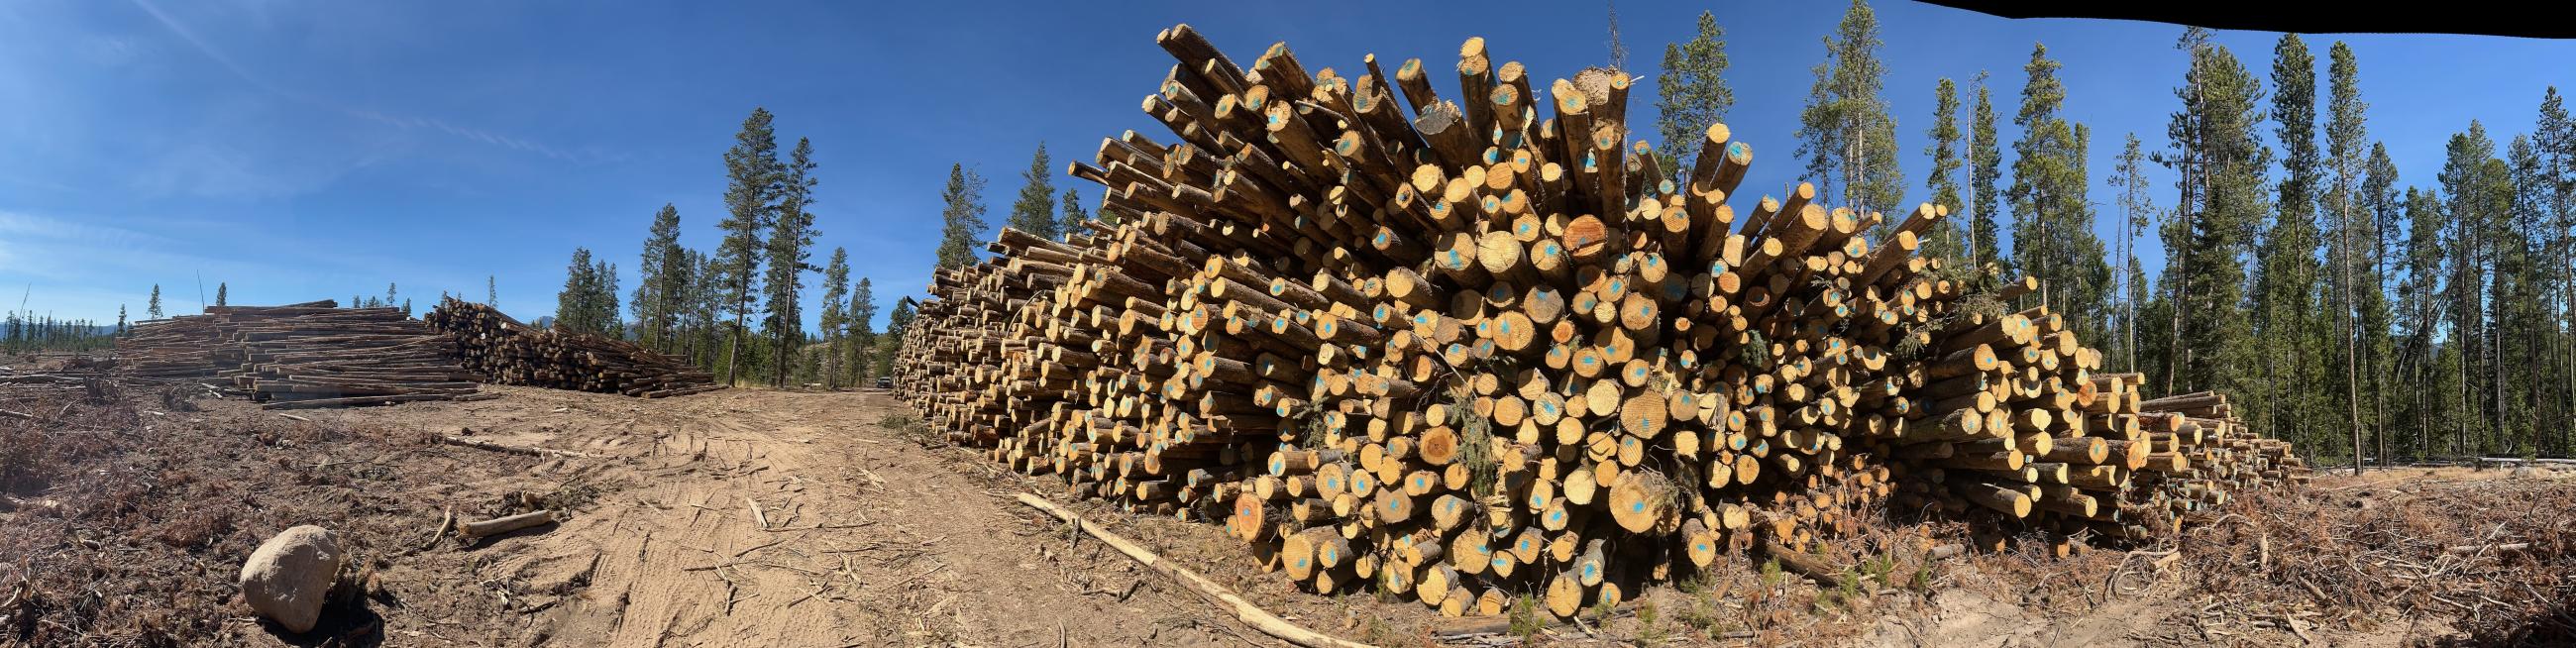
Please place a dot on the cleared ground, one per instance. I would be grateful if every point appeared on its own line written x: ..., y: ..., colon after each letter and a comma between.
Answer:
x: 132, y: 512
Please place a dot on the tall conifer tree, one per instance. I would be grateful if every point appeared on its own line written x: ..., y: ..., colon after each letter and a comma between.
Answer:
x: 1072, y: 214
x: 1691, y: 92
x: 1985, y: 170
x: 1034, y: 212
x: 836, y: 294
x: 1949, y: 241
x: 753, y: 176
x: 791, y: 239
x: 1845, y: 132
x: 961, y: 216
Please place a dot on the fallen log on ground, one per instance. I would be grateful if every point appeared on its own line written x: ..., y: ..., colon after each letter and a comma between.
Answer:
x: 496, y: 447
x: 498, y: 526
x: 1244, y: 611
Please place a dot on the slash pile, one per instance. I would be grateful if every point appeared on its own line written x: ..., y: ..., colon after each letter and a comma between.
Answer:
x: 511, y: 353
x: 1466, y: 350
x: 306, y: 355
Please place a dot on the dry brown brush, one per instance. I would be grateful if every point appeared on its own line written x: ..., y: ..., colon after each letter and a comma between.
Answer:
x: 125, y: 524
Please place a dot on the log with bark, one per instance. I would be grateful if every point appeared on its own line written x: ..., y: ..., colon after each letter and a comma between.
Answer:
x: 299, y: 356
x: 507, y: 352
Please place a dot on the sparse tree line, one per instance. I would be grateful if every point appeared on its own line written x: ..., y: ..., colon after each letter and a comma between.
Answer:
x: 701, y: 305
x: 2364, y: 320
x: 738, y: 309
x: 25, y: 332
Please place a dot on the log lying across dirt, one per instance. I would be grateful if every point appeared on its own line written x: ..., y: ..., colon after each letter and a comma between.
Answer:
x: 1466, y: 350
x: 510, y: 353
x: 305, y: 355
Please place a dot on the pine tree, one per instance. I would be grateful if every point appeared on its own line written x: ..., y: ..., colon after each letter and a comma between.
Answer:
x: 1985, y: 169
x: 573, y: 305
x: 2221, y: 161
x: 2052, y: 221
x: 790, y: 245
x: 492, y: 291
x: 1034, y: 212
x: 223, y: 293
x: 897, y: 323
x: 1943, y: 182
x: 753, y: 177
x: 2136, y: 210
x: 2385, y: 207
x: 2478, y: 199
x: 120, y: 320
x: 1072, y: 214
x: 656, y: 296
x: 1845, y: 132
x: 708, y: 290
x: 2554, y: 140
x: 836, y: 293
x: 1691, y: 92
x: 2287, y: 277
x: 603, y: 301
x: 961, y: 217
x: 153, y: 309
x: 390, y: 294
x: 2421, y: 289
x: 863, y: 336
x: 2522, y: 317
x: 2345, y: 135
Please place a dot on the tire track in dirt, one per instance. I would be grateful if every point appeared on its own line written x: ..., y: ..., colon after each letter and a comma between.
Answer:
x: 871, y: 540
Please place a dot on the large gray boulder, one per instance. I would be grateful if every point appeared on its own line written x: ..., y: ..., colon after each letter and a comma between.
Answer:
x: 289, y: 577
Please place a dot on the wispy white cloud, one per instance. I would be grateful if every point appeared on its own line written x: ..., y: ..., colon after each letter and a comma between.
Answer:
x: 475, y: 134
x: 211, y: 52
x: 63, y: 249
x: 34, y: 182
x: 109, y: 51
x: 215, y: 170
x: 263, y: 83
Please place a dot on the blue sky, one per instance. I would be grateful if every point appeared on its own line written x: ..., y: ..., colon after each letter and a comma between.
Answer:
x: 304, y: 150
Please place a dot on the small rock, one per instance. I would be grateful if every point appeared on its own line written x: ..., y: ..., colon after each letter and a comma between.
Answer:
x: 289, y: 577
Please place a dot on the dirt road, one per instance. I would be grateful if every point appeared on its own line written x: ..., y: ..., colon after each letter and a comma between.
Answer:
x: 783, y: 519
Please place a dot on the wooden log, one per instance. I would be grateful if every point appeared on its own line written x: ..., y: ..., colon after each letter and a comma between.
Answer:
x: 1244, y: 611
x: 497, y: 526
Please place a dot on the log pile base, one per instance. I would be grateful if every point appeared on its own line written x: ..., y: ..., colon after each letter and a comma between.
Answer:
x: 302, y: 356
x: 510, y: 353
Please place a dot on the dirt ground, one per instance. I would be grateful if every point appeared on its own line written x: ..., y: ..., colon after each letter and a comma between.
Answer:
x: 748, y: 517
x: 870, y: 539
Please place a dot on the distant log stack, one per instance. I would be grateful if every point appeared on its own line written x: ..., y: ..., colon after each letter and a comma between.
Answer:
x: 305, y: 355
x: 1463, y: 352
x: 510, y: 353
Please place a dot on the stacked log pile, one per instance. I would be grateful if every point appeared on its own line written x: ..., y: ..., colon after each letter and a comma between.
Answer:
x: 507, y: 352
x: 1462, y: 350
x: 305, y: 355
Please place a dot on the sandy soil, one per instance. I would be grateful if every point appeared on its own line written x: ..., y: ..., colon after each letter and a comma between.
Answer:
x: 869, y: 539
